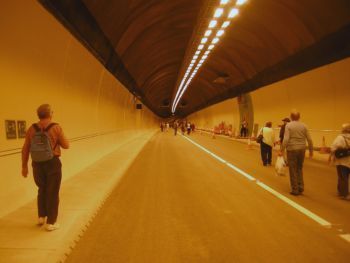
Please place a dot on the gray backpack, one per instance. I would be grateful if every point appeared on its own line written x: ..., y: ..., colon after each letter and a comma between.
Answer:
x: 40, y: 147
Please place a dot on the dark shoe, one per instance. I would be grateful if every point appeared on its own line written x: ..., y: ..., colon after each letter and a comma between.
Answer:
x: 292, y: 193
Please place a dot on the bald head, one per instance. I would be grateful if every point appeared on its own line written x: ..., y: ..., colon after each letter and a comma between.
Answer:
x: 295, y: 115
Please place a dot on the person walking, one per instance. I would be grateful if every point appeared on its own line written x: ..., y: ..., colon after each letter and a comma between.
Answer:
x: 47, y: 171
x: 295, y: 137
x: 188, y: 128
x: 283, y: 128
x: 342, y: 141
x: 244, y: 129
x: 267, y: 143
x: 175, y: 127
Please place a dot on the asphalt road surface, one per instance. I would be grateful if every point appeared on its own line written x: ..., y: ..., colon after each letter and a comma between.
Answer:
x: 177, y: 203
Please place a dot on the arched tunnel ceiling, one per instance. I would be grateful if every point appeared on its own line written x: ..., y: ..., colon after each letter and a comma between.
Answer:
x: 144, y: 42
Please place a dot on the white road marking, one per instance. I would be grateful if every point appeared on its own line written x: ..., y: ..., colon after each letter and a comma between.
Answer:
x: 288, y: 201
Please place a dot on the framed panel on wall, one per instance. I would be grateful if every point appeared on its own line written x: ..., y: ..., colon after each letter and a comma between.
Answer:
x: 21, y: 128
x: 10, y: 128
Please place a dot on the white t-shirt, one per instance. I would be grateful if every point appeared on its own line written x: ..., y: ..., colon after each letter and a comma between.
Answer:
x: 269, y: 135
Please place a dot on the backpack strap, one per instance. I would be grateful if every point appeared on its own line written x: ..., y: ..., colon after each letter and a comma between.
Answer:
x: 50, y: 126
x: 36, y: 127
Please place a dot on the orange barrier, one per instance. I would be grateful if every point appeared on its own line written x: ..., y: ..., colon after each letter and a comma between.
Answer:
x: 324, y: 149
x: 249, y: 144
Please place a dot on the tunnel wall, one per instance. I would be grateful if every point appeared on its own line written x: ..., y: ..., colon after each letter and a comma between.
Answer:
x: 42, y: 63
x: 226, y: 111
x: 321, y: 95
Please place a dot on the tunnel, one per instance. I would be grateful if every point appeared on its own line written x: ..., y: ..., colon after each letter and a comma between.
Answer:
x: 153, y: 97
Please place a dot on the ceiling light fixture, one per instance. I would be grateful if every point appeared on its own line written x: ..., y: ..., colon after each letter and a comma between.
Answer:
x: 225, y: 24
x: 215, y: 40
x: 218, y: 12
x: 220, y: 33
x: 241, y: 2
x: 208, y: 33
x: 224, y: 2
x: 234, y: 12
x: 212, y: 23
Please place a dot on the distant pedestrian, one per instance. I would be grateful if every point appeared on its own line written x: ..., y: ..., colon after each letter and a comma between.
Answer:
x: 43, y: 141
x: 192, y: 127
x: 188, y: 128
x: 342, y: 141
x: 283, y: 128
x: 244, y: 129
x: 267, y: 143
x: 295, y: 136
x: 161, y: 127
x: 183, y: 128
x: 175, y: 128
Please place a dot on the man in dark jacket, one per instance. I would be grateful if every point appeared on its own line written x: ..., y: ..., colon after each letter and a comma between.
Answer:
x: 283, y: 128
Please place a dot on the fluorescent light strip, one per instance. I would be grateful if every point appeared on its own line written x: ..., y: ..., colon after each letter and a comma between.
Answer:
x: 188, y: 76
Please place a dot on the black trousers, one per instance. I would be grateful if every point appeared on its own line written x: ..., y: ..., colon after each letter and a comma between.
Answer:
x: 47, y: 176
x: 343, y: 180
x: 266, y: 153
x: 244, y: 132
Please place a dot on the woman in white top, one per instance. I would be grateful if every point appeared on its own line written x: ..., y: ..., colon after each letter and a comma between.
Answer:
x: 343, y: 164
x: 267, y: 143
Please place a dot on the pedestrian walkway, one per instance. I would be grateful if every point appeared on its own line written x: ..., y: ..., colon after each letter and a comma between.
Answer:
x: 22, y: 241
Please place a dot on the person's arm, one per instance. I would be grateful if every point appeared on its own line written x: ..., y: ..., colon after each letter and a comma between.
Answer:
x: 62, y: 140
x: 273, y: 137
x: 285, y: 138
x: 309, y: 143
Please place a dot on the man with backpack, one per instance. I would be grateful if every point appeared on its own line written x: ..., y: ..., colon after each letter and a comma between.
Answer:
x: 43, y: 141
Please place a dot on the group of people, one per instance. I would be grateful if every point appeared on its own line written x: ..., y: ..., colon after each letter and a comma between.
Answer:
x: 164, y: 126
x: 47, y: 166
x: 185, y: 126
x: 294, y: 139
